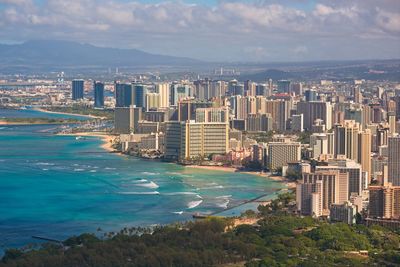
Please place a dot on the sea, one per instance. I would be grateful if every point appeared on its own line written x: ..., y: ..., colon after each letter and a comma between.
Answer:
x: 56, y: 186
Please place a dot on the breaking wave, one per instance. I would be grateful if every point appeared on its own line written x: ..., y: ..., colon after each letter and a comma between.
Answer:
x: 139, y: 193
x: 193, y: 204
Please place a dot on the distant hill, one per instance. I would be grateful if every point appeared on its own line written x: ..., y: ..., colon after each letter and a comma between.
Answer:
x: 42, y: 53
x: 268, y: 74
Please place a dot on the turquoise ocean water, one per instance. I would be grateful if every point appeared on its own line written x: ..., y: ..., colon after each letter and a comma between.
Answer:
x: 57, y: 186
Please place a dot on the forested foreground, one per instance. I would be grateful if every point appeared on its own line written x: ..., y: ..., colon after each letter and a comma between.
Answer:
x: 278, y: 239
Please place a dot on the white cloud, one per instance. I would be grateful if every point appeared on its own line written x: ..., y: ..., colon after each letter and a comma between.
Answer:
x: 228, y: 30
x: 388, y: 21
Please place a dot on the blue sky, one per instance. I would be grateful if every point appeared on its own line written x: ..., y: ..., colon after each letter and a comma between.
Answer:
x: 258, y: 30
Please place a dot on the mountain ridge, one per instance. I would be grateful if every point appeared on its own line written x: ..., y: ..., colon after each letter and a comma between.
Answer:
x: 68, y: 53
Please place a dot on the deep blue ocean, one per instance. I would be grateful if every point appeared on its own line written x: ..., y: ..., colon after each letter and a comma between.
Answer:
x: 57, y: 186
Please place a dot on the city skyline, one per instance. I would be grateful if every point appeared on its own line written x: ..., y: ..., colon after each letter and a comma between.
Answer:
x: 250, y: 31
x: 199, y: 133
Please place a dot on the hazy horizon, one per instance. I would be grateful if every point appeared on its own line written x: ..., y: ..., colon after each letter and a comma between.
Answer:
x: 210, y: 61
x: 215, y: 31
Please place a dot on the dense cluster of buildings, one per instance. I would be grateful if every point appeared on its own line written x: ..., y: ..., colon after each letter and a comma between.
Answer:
x: 340, y: 138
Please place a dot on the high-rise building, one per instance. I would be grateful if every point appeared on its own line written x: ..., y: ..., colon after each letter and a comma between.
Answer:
x: 280, y: 111
x: 139, y: 95
x: 314, y: 110
x: 202, y: 89
x: 309, y: 198
x: 335, y: 186
x: 235, y: 88
x: 259, y: 122
x: 384, y: 201
x: 322, y: 144
x: 178, y: 92
x: 77, y: 89
x: 187, y: 108
x: 173, y: 131
x: 281, y: 153
x: 356, y: 181
x: 297, y: 88
x: 212, y: 114
x: 242, y: 107
x: 126, y: 119
x: 123, y: 94
x: 343, y: 213
x: 355, y: 114
x: 297, y: 123
x: 163, y: 90
x: 249, y: 88
x: 346, y: 139
x: 392, y: 122
x: 310, y: 95
x: 364, y: 151
x: 394, y: 160
x: 98, y: 89
x: 284, y: 86
x: 331, y: 187
x: 270, y: 88
x: 152, y: 101
x: 218, y: 89
x: 200, y: 139
x: 261, y: 89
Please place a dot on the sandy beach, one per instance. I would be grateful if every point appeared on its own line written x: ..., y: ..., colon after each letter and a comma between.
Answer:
x: 213, y: 168
x: 289, y: 184
x: 10, y: 123
x: 64, y: 113
x: 106, y: 138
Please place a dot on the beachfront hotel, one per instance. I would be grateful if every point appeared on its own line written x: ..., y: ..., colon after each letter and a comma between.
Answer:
x: 202, y: 139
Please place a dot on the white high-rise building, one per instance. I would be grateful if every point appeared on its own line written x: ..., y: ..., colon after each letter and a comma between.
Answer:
x: 163, y: 90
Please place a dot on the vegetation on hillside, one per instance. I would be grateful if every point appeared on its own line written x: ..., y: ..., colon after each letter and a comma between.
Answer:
x: 278, y: 239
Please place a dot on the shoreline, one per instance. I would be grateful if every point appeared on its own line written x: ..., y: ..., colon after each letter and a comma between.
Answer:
x: 5, y: 123
x: 107, y: 138
x: 287, y: 183
x: 65, y: 113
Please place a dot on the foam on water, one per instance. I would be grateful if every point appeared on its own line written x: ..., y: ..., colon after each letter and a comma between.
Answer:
x: 151, y: 185
x: 139, y: 193
x: 224, y: 204
x: 178, y: 212
x: 44, y: 164
x: 179, y: 193
x: 227, y: 196
x: 139, y: 181
x: 193, y: 204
